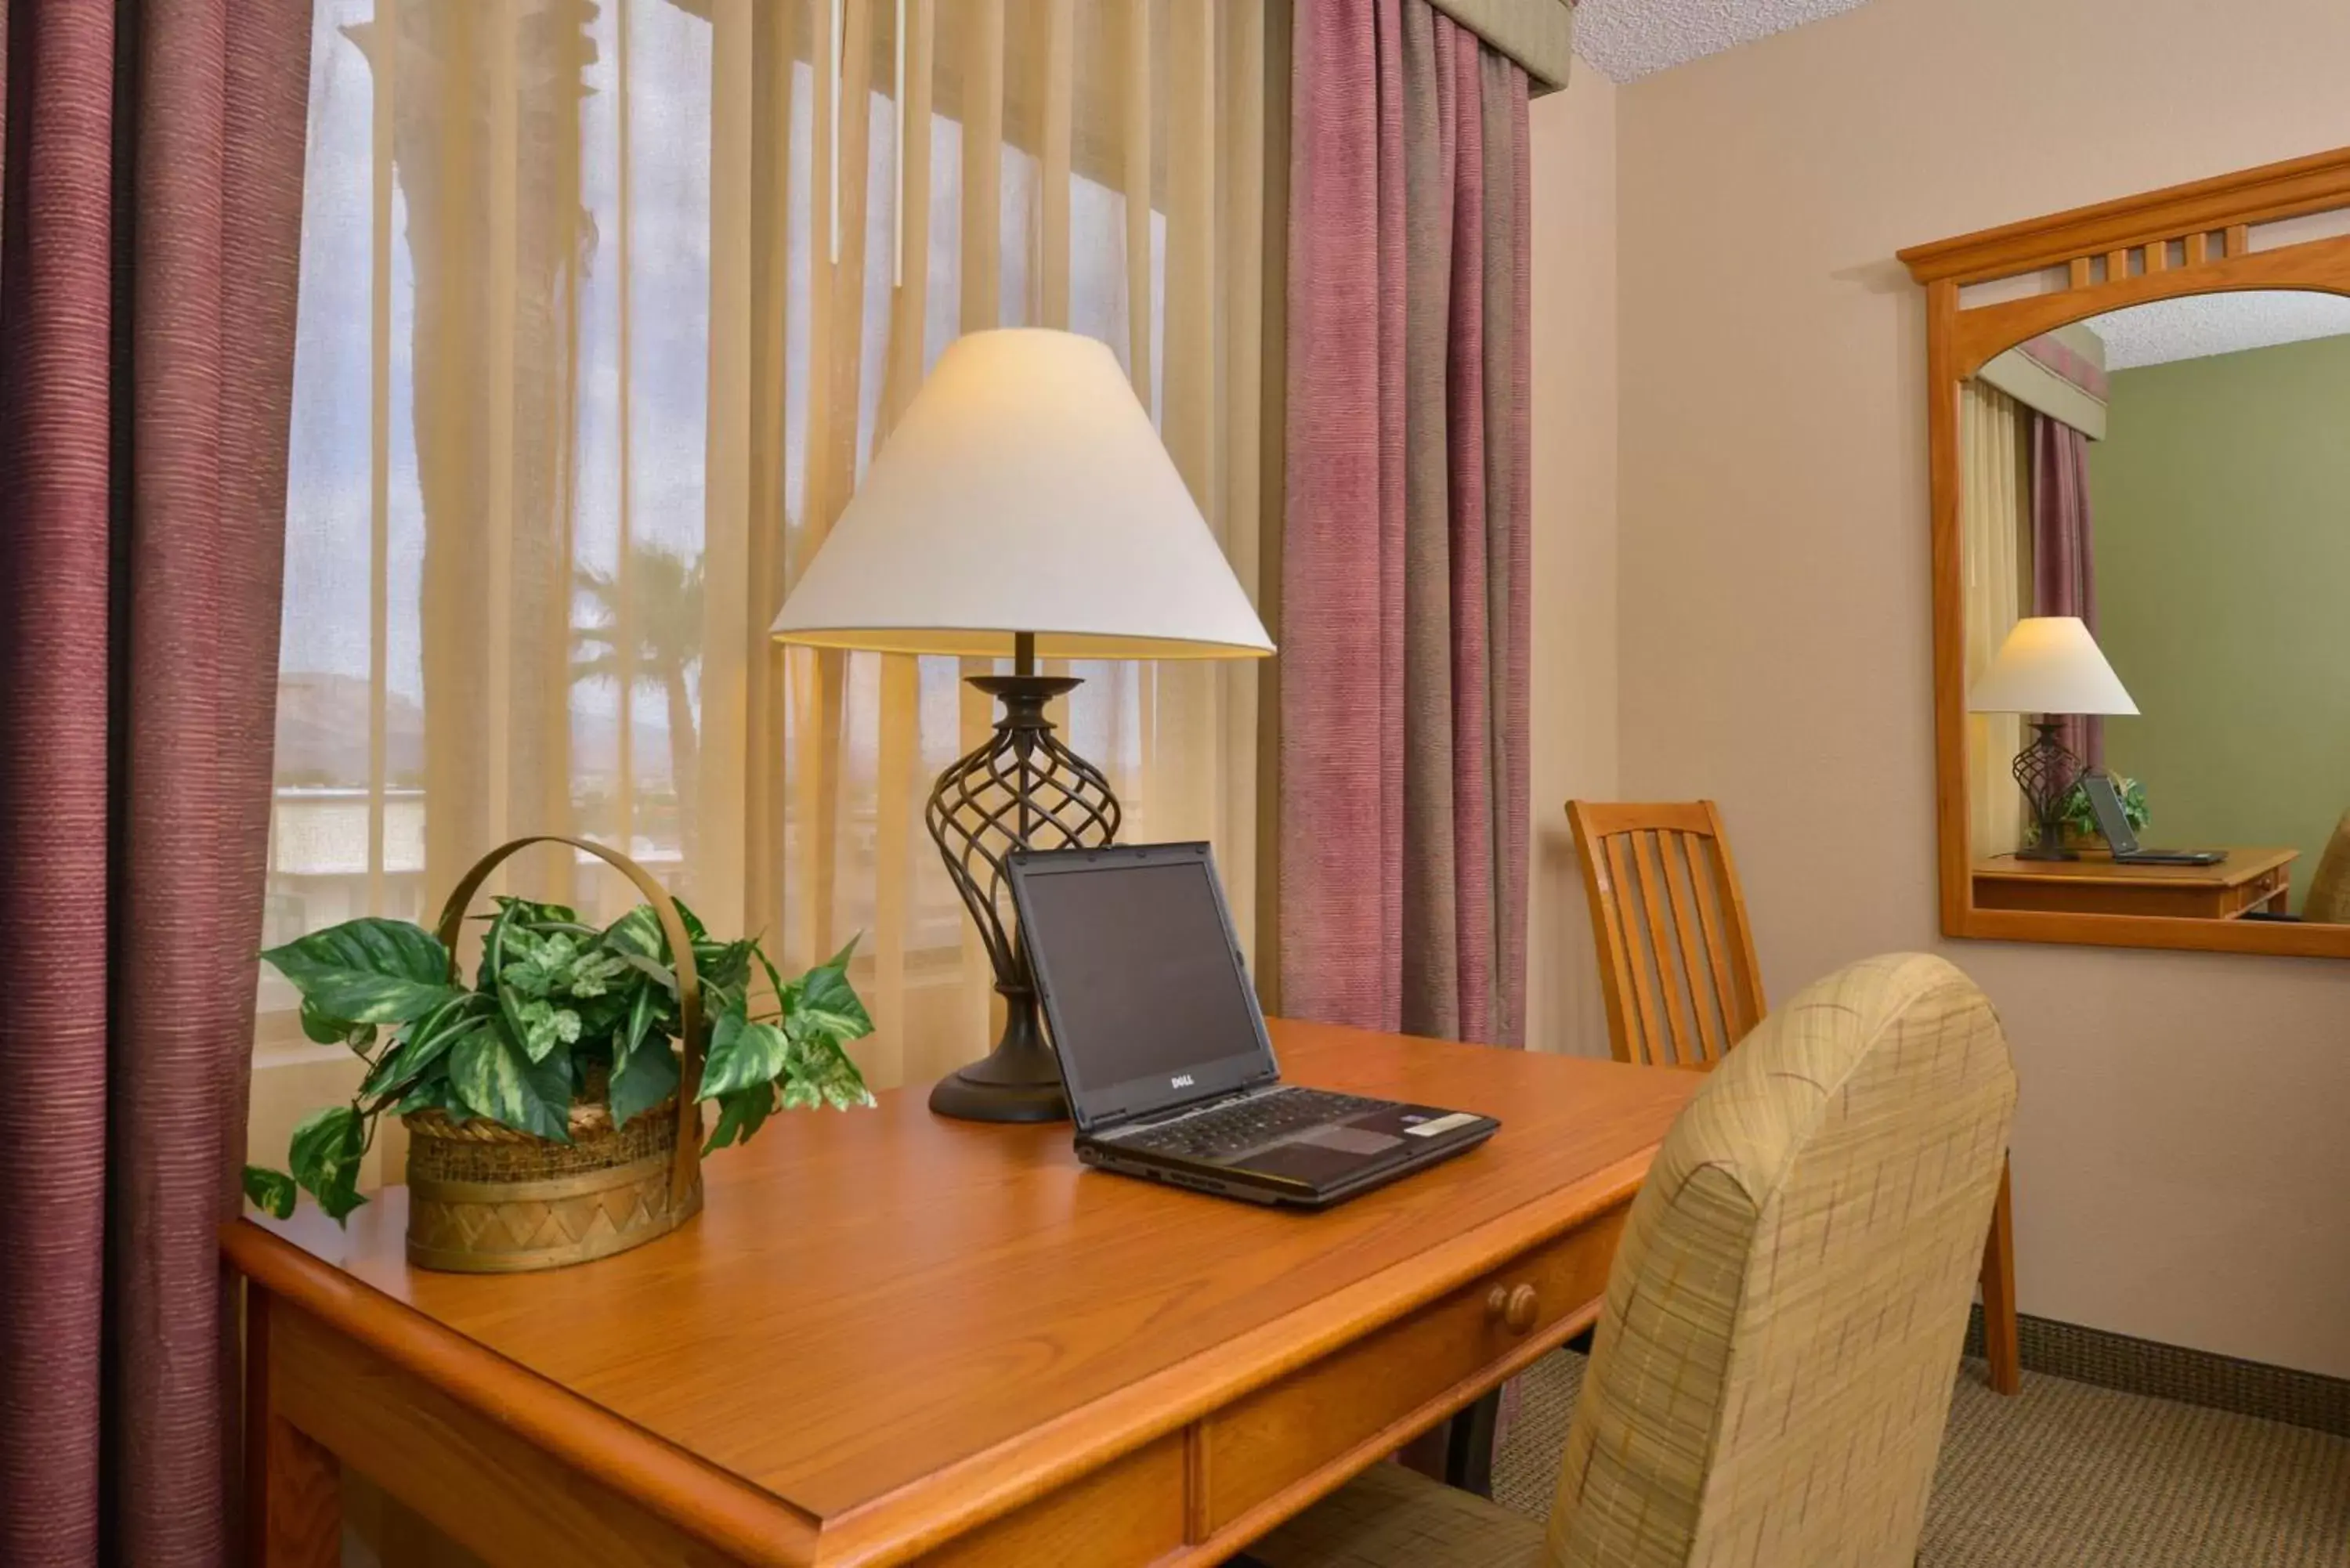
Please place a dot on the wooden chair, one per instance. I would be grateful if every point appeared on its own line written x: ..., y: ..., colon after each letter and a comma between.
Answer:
x: 1677, y: 966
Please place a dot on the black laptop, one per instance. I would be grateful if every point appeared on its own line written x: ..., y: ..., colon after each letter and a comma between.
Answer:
x: 1169, y: 1069
x: 2106, y: 804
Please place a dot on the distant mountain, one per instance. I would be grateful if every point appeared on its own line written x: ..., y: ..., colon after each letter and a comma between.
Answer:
x: 322, y: 731
x: 322, y: 737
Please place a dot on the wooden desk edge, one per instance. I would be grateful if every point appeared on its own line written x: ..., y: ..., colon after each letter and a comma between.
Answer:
x: 734, y: 1515
x: 900, y: 1525
x: 699, y: 1499
x: 2242, y: 866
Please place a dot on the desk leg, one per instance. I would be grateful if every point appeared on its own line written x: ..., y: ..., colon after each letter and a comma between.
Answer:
x: 2000, y: 1346
x: 293, y: 1484
x: 1469, y: 1445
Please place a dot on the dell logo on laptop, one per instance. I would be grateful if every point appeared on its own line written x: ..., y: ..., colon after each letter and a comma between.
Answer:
x: 1181, y: 1081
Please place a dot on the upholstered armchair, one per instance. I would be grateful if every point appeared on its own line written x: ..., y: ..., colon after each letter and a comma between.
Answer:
x: 1782, y: 1325
x: 2328, y: 898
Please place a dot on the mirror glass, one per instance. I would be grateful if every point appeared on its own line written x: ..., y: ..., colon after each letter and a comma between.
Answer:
x: 2156, y: 522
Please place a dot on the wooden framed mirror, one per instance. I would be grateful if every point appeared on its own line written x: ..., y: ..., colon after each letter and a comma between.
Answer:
x: 2140, y: 442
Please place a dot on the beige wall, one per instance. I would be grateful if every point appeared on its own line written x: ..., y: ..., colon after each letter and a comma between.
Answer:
x: 1573, y: 694
x: 2182, y: 1151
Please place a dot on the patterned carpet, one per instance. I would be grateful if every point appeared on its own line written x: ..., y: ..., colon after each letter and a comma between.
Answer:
x: 2062, y: 1475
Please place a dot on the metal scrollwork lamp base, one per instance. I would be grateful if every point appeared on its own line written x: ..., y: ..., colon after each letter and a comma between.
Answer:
x: 1024, y: 789
x: 2047, y: 771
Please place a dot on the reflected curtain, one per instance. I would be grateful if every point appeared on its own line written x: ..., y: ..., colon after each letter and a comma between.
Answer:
x: 153, y: 168
x: 1405, y: 614
x: 2063, y: 554
x: 606, y: 305
x: 1994, y: 500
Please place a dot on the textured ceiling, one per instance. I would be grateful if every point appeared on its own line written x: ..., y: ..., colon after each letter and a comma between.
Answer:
x: 2201, y: 324
x: 1628, y: 38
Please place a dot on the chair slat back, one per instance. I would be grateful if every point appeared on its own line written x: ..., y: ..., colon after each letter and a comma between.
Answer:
x: 1677, y: 960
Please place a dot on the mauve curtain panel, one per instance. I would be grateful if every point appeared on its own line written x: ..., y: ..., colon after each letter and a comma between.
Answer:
x: 2063, y: 554
x: 153, y: 167
x: 1405, y: 620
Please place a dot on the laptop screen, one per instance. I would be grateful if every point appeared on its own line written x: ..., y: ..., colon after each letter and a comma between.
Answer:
x: 1143, y: 983
x: 2106, y: 804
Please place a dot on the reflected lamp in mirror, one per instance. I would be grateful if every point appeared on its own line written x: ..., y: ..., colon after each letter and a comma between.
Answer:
x: 2049, y: 668
x: 1023, y: 506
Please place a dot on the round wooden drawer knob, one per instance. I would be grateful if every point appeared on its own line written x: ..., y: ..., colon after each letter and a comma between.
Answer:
x: 1513, y: 1307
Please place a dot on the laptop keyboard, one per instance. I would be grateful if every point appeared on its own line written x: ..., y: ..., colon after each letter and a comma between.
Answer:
x: 1245, y: 1124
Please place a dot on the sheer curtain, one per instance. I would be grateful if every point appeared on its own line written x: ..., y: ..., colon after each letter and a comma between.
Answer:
x: 1994, y: 503
x: 605, y: 306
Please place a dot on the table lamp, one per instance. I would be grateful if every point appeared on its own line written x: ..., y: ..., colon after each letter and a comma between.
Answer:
x: 2049, y: 666
x: 1023, y: 506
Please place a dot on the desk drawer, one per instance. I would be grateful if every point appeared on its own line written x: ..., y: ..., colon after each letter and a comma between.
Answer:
x: 1364, y: 1400
x: 2256, y: 892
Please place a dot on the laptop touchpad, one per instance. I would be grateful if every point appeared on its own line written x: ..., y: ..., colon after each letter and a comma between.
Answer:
x: 1348, y: 1140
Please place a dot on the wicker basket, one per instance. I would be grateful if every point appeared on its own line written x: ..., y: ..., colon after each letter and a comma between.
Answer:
x: 485, y: 1198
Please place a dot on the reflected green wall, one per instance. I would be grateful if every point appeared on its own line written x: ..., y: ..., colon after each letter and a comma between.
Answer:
x: 2222, y: 503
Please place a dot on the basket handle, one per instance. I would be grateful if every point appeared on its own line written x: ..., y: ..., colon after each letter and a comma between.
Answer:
x: 688, y: 1160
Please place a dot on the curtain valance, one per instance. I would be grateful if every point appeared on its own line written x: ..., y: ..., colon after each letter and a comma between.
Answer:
x: 1537, y: 33
x: 2061, y: 373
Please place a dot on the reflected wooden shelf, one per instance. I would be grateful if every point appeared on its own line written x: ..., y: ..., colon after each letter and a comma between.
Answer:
x: 2248, y: 880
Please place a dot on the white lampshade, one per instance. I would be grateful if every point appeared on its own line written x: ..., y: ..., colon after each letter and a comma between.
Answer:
x: 2050, y: 664
x: 1024, y: 490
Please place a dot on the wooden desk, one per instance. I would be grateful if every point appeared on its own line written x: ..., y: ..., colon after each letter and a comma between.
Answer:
x: 2246, y: 880
x: 891, y: 1338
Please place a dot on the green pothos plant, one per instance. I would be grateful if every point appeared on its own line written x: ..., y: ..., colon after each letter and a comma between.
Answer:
x: 558, y: 1011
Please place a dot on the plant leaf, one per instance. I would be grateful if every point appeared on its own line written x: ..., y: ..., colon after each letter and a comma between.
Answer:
x: 594, y: 973
x: 742, y: 1054
x: 432, y: 1094
x: 498, y: 1081
x: 646, y: 1010
x: 491, y: 978
x: 344, y: 1196
x: 638, y: 931
x: 740, y: 1113
x: 828, y: 1004
x: 390, y: 1068
x: 530, y: 912
x: 847, y: 1098
x: 828, y: 1069
x: 366, y: 972
x: 554, y: 1081
x: 775, y: 980
x: 272, y: 1191
x: 603, y: 1020
x: 409, y: 1059
x: 695, y: 930
x: 723, y: 965
x: 643, y: 1078
x: 324, y: 1155
x: 328, y: 1031
x: 720, y: 1000
x: 653, y: 970
x: 543, y: 1027
x: 471, y: 1012
x: 534, y: 965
